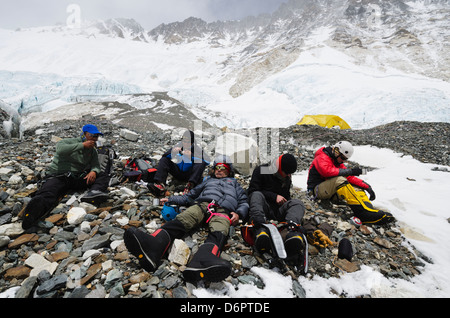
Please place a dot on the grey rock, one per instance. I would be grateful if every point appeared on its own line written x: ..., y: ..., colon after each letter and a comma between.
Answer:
x: 52, y: 284
x: 96, y: 242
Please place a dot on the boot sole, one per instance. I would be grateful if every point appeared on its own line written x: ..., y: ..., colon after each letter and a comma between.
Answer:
x: 134, y: 246
x: 215, y: 273
x: 294, y: 247
x: 263, y: 244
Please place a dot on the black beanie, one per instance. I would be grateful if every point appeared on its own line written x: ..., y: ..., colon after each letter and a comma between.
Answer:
x: 288, y: 163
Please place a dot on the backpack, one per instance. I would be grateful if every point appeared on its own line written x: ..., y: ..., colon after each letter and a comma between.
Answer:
x: 139, y: 169
x: 106, y: 156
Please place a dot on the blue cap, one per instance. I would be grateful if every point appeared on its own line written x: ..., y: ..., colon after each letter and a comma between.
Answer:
x: 91, y: 129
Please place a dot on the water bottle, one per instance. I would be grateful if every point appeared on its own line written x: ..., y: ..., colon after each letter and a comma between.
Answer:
x: 355, y: 221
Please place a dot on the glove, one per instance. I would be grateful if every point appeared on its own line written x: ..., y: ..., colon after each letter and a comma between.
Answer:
x: 371, y: 193
x: 350, y: 172
x: 318, y: 239
x: 356, y: 171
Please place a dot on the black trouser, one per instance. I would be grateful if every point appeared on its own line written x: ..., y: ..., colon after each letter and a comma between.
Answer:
x: 166, y: 166
x: 260, y: 211
x: 55, y: 187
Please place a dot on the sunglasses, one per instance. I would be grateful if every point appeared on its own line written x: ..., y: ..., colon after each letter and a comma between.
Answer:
x: 344, y: 158
x: 93, y: 135
x: 221, y: 167
x: 340, y: 155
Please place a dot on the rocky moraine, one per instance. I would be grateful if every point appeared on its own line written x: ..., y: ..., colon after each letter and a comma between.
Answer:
x: 83, y: 256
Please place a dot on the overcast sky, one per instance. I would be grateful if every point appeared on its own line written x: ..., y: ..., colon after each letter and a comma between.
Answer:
x: 149, y: 13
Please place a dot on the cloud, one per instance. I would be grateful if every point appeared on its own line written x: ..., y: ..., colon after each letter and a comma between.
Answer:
x: 149, y: 13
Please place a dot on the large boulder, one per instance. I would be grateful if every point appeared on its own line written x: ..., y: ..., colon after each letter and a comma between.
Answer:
x: 242, y: 150
x: 9, y: 121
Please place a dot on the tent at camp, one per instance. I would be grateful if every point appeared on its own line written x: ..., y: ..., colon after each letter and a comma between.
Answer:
x: 328, y: 121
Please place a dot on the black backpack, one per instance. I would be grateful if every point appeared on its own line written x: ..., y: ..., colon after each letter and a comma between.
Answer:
x: 106, y: 156
x: 138, y: 169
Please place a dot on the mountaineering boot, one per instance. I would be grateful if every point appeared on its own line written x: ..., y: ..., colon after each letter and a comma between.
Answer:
x: 362, y: 207
x: 157, y: 189
x: 150, y: 248
x: 189, y: 187
x: 294, y: 246
x: 95, y: 197
x: 262, y: 241
x: 34, y: 211
x: 206, y: 263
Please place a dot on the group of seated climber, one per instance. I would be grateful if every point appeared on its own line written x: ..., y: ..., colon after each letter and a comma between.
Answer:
x: 215, y: 201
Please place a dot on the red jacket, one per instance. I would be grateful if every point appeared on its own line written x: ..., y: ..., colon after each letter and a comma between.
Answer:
x: 324, y: 167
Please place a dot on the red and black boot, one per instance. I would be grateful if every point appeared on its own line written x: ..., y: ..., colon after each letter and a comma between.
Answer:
x: 150, y: 248
x: 206, y: 264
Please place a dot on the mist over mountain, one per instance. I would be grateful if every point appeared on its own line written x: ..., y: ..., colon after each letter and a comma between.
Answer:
x: 383, y: 66
x: 369, y: 61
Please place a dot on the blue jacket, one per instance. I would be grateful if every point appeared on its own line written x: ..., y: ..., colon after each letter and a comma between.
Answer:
x: 226, y: 192
x: 184, y: 162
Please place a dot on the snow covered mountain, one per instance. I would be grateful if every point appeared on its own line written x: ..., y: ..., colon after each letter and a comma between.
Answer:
x: 369, y: 61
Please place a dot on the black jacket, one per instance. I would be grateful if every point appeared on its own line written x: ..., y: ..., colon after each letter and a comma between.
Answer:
x: 270, y: 184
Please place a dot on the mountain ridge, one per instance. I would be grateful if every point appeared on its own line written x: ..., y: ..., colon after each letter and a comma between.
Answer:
x: 211, y: 66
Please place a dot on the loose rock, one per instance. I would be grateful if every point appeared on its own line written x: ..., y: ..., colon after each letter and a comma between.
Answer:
x: 78, y: 250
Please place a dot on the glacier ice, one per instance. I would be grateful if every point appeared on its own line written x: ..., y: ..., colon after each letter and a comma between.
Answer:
x: 31, y: 92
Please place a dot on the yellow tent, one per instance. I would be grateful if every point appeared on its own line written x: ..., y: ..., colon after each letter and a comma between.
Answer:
x: 328, y: 121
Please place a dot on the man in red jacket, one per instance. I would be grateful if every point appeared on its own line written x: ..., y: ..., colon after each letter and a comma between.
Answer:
x: 328, y: 176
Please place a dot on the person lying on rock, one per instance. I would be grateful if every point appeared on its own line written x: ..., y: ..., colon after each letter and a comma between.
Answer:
x: 75, y: 166
x: 186, y: 161
x: 329, y: 178
x: 218, y: 202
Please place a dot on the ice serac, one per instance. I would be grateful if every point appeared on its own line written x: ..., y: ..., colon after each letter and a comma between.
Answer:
x: 367, y: 61
x: 30, y: 92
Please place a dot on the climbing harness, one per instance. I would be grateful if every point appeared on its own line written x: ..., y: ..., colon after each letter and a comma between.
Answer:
x: 211, y: 210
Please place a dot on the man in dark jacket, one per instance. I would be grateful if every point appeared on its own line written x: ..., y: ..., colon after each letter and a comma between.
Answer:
x: 328, y: 176
x: 186, y: 161
x: 270, y: 199
x: 75, y: 166
x: 219, y: 202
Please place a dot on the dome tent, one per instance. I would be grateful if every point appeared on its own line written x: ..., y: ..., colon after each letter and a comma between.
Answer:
x: 328, y: 121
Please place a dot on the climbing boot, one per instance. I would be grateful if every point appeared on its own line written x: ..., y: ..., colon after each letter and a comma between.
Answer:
x: 263, y: 241
x: 206, y: 264
x: 157, y: 189
x: 34, y: 211
x: 95, y: 197
x: 294, y: 246
x: 150, y: 248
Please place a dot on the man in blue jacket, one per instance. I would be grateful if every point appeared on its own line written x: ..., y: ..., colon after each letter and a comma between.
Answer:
x: 219, y: 202
x: 186, y: 161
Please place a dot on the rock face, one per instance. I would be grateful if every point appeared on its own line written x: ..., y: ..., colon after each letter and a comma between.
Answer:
x: 78, y: 250
x: 364, y: 30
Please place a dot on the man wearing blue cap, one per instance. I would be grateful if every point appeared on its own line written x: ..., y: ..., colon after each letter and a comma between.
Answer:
x: 75, y: 166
